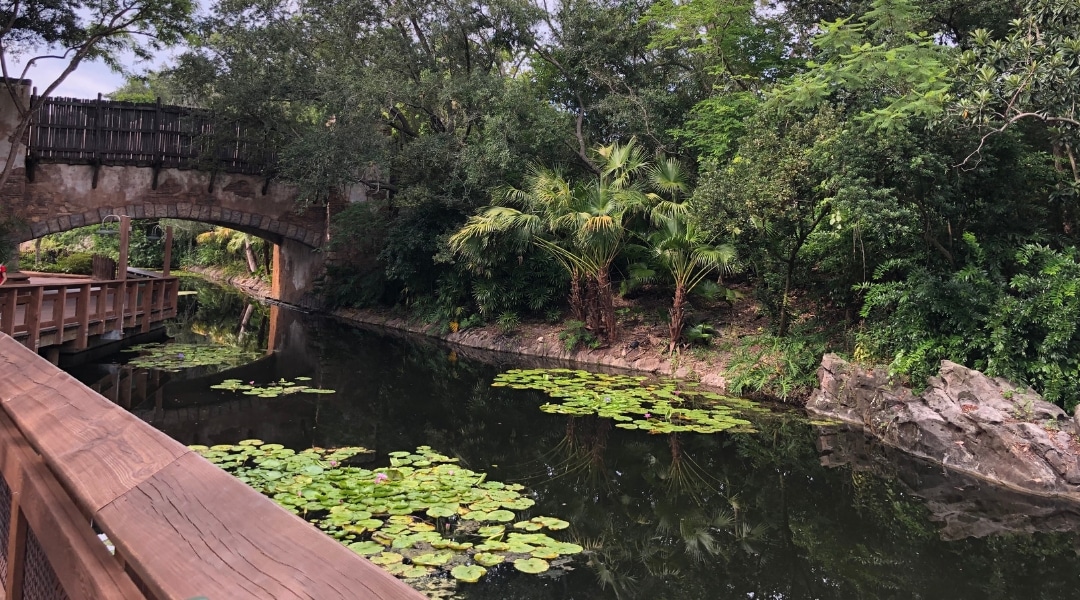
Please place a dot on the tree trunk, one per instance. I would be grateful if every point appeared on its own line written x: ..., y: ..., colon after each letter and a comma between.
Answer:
x: 592, y: 306
x: 249, y: 254
x: 606, y: 300
x: 577, y: 297
x: 678, y: 317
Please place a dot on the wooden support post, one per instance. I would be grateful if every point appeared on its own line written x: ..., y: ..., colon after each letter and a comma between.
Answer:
x: 168, y: 252
x: 59, y: 306
x: 147, y: 304
x: 119, y: 301
x: 132, y: 304
x: 161, y: 288
x: 125, y: 241
x: 82, y: 315
x: 33, y: 317
x: 8, y: 300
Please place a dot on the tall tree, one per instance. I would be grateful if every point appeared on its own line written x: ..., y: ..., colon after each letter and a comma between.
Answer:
x: 73, y: 31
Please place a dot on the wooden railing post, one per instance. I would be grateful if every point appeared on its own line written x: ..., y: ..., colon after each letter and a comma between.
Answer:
x: 147, y: 304
x: 33, y: 317
x: 59, y: 308
x: 82, y: 316
x: 8, y: 301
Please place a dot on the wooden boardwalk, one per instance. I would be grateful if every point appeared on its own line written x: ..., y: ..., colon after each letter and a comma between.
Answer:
x: 72, y: 461
x: 41, y: 315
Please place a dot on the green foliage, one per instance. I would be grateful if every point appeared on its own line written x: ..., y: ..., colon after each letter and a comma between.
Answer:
x: 1024, y: 330
x: 176, y: 356
x: 700, y: 334
x: 78, y: 263
x: 904, y: 69
x: 777, y: 367
x: 663, y: 406
x: 576, y: 335
x: 398, y: 515
x: 508, y: 322
x: 1029, y: 74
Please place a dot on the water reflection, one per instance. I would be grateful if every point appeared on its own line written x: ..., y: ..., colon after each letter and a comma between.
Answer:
x: 793, y: 511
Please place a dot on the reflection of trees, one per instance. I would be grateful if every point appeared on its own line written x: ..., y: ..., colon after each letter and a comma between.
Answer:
x: 220, y: 315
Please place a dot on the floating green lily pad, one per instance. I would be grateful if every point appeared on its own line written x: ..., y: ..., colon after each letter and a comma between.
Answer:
x: 468, y: 573
x: 281, y: 387
x: 396, y: 511
x: 531, y: 565
x: 174, y: 356
x: 665, y: 406
x: 488, y: 559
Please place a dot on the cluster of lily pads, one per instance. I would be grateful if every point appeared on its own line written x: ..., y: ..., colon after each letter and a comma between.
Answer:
x: 422, y: 515
x: 174, y: 357
x: 635, y: 402
x: 282, y: 387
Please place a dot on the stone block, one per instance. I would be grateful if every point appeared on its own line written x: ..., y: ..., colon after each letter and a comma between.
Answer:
x: 140, y: 212
x: 78, y: 220
x: 171, y: 212
x: 291, y: 232
x: 65, y: 223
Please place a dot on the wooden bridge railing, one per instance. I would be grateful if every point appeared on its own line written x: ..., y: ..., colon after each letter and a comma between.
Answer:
x: 106, y: 132
x: 49, y: 315
x: 74, y: 464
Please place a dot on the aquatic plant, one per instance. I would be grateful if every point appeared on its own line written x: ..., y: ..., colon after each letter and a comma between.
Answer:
x: 634, y: 402
x: 173, y: 357
x: 282, y: 387
x: 422, y: 515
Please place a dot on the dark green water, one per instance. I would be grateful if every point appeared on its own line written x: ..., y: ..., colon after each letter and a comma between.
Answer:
x: 794, y: 511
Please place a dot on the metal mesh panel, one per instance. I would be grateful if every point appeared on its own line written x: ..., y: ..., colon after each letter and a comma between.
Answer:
x: 39, y: 580
x: 5, y: 524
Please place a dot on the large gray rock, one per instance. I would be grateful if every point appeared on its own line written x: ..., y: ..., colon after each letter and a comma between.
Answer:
x: 983, y: 426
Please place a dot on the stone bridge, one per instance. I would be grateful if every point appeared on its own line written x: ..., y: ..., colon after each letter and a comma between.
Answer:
x: 83, y: 160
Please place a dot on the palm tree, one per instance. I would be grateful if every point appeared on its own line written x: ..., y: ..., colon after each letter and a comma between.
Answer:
x: 582, y: 225
x: 688, y: 255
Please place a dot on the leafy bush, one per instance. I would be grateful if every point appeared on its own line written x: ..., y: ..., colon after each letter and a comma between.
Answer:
x: 508, y: 322
x: 76, y: 263
x: 782, y: 367
x: 576, y: 335
x: 700, y: 334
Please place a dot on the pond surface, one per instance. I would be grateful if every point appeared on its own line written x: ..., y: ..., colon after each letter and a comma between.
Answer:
x: 792, y: 511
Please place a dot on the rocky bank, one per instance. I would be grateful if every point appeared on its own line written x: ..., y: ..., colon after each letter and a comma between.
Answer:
x: 984, y: 427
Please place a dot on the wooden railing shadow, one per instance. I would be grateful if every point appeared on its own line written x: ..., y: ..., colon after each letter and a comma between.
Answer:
x: 72, y: 461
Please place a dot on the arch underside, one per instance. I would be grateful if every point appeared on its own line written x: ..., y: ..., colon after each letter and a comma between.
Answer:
x: 262, y: 226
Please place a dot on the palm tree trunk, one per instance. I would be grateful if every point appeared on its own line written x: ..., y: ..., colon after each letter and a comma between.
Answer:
x: 592, y: 306
x: 577, y: 297
x: 606, y: 300
x: 678, y: 317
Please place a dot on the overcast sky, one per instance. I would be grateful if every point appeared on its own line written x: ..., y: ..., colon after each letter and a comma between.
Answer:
x: 87, y: 81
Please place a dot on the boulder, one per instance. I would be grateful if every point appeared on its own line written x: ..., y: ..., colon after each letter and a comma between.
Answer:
x: 964, y: 420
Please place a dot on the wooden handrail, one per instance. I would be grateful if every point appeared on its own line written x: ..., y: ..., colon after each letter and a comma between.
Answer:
x: 47, y: 315
x: 181, y: 526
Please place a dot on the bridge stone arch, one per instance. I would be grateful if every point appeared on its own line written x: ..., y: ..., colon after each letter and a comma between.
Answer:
x: 143, y: 161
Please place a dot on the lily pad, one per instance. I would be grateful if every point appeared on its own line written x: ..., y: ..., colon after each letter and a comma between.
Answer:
x: 531, y: 565
x: 468, y: 574
x: 488, y: 559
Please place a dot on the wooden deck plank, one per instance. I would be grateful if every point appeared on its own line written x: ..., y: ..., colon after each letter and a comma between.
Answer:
x: 94, y: 447
x: 202, y: 532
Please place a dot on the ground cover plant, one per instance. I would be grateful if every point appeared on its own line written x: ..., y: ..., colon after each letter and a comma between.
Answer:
x: 634, y: 402
x: 422, y: 516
